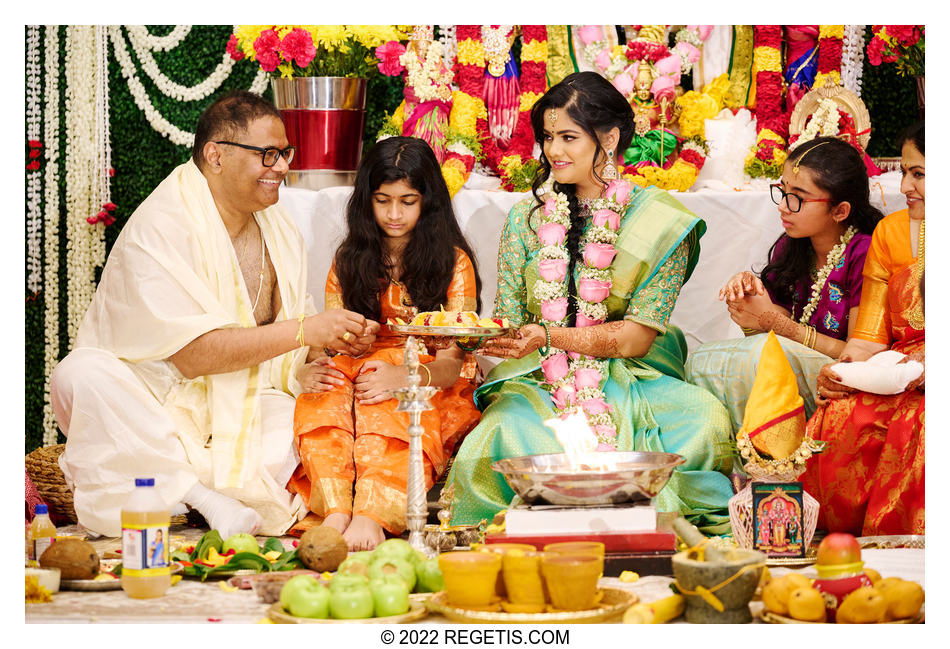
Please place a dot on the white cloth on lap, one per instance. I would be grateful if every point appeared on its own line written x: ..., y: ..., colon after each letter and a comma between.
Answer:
x: 880, y: 374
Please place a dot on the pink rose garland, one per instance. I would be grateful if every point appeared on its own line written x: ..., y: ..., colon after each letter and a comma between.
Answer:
x: 574, y: 379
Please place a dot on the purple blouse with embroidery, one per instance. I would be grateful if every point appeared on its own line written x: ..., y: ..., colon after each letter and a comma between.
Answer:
x: 840, y: 294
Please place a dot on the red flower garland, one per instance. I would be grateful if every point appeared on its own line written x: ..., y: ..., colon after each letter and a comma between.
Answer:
x: 471, y: 80
x: 768, y: 85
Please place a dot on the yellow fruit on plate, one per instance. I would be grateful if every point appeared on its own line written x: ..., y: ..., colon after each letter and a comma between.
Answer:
x: 873, y: 575
x: 776, y: 593
x: 904, y: 599
x: 887, y: 582
x: 865, y: 605
x: 806, y: 604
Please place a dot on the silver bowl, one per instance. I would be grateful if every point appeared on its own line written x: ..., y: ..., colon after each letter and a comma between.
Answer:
x: 600, y: 478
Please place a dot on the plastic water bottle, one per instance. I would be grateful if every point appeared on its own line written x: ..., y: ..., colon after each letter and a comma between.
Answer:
x: 42, y: 532
x: 146, y: 570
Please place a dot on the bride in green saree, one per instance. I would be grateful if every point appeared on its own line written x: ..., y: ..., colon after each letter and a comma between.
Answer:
x: 589, y: 269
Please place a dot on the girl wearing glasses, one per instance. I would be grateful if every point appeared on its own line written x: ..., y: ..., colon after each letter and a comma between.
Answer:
x: 870, y: 478
x: 808, y: 292
x: 403, y: 253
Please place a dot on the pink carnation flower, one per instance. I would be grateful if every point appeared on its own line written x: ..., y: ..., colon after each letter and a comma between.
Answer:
x: 607, y: 218
x: 388, y: 55
x: 555, y: 367
x: 593, y: 290
x: 265, y: 49
x: 552, y: 270
x: 297, y: 46
x: 599, y: 255
x: 618, y: 190
x: 232, y: 48
x: 554, y: 310
x: 587, y: 378
x: 552, y: 234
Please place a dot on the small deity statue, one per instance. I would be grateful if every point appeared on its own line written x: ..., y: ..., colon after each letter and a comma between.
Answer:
x: 428, y: 91
x: 652, y: 142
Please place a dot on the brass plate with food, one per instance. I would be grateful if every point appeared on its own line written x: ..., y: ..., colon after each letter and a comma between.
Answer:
x: 417, y: 611
x: 455, y: 331
x: 613, y: 604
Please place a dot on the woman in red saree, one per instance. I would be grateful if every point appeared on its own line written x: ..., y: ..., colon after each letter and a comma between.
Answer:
x: 870, y: 479
x: 403, y: 253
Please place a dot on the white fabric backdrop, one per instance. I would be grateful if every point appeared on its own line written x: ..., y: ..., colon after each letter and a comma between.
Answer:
x: 740, y: 228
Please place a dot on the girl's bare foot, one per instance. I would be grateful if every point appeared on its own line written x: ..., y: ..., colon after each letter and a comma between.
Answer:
x: 338, y: 521
x: 363, y: 533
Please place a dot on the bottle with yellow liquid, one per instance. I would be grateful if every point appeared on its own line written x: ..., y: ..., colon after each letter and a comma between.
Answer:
x: 42, y: 532
x: 146, y: 569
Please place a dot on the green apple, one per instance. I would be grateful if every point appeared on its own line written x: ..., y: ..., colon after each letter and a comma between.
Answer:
x: 365, y: 556
x: 353, y: 565
x: 390, y: 596
x: 304, y: 596
x: 384, y: 566
x: 242, y: 542
x: 429, y: 576
x: 351, y: 600
x: 398, y: 548
x: 348, y: 579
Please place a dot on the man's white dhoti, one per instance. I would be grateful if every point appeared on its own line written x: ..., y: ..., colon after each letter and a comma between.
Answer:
x: 127, y: 411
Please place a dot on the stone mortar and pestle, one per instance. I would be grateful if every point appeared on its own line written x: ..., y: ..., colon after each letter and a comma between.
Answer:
x: 717, y: 584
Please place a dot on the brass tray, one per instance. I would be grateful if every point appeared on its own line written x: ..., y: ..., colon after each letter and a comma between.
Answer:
x: 811, y: 556
x: 615, y: 601
x: 774, y: 618
x: 417, y: 611
x: 893, y: 541
x: 465, y: 332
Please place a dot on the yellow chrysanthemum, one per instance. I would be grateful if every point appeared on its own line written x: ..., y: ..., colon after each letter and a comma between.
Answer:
x: 330, y: 37
x: 528, y: 100
x: 718, y: 88
x: 283, y: 30
x: 465, y: 111
x: 823, y: 78
x: 535, y: 51
x: 286, y: 70
x: 471, y: 52
x: 767, y: 59
x: 696, y: 109
x: 831, y: 31
x: 246, y: 35
x: 372, y: 36
x: 453, y: 179
x: 399, y: 115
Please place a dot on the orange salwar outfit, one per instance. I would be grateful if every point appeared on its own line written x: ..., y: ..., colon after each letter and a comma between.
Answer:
x: 870, y: 479
x: 354, y: 458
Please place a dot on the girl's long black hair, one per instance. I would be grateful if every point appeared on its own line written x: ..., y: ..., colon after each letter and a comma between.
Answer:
x: 428, y: 258
x: 597, y: 107
x: 838, y: 169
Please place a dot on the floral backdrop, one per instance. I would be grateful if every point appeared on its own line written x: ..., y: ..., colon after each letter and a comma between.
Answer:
x: 157, y: 80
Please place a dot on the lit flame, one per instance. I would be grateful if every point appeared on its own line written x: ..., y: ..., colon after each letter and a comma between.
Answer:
x: 579, y: 442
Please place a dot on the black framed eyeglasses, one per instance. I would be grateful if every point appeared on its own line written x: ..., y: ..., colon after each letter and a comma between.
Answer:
x: 269, y: 154
x: 793, y: 201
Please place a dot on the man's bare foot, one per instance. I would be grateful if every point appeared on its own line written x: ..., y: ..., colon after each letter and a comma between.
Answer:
x: 363, y: 533
x: 338, y: 521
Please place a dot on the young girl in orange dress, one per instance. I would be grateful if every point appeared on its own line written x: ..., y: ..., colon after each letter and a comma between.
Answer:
x: 403, y: 253
x: 870, y: 479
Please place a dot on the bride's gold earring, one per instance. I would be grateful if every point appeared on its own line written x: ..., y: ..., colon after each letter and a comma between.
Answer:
x: 609, y: 172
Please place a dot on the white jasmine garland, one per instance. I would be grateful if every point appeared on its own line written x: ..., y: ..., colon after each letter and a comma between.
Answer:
x: 51, y: 223
x: 821, y: 278
x: 34, y: 214
x: 600, y: 274
x: 593, y: 310
x: 553, y: 252
x: 852, y: 58
x: 449, y: 42
x: 823, y: 121
x: 161, y: 43
x: 139, y: 38
x: 599, y: 234
x: 549, y: 290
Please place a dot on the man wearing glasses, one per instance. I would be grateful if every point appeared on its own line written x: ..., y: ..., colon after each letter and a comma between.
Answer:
x: 188, y: 362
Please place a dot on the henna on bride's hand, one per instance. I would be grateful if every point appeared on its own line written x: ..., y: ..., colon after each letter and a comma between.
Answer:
x: 601, y: 341
x: 781, y: 324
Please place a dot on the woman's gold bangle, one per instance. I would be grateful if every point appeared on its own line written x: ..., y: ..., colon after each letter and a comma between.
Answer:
x: 811, y: 337
x: 750, y: 331
x: 428, y: 373
x: 300, y: 339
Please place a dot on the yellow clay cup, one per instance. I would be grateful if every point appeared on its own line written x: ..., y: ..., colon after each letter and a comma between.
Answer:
x: 522, y: 576
x: 470, y: 577
x: 571, y: 580
x: 574, y: 548
x: 502, y: 549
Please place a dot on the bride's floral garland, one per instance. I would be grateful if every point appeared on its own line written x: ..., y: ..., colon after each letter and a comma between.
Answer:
x: 575, y: 379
